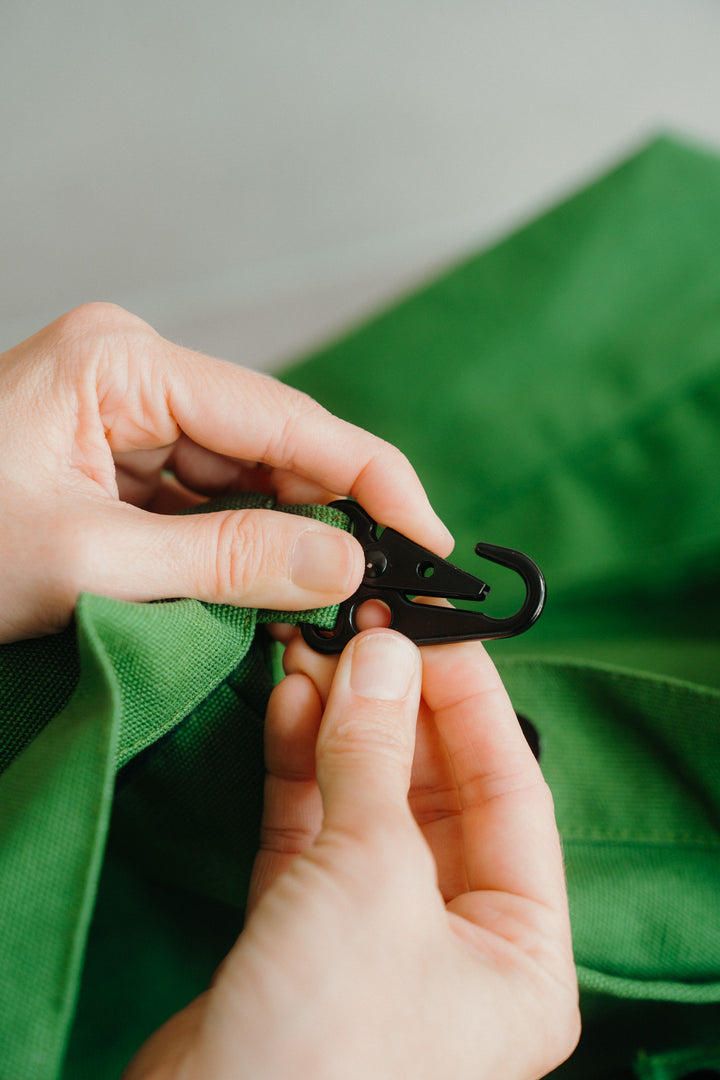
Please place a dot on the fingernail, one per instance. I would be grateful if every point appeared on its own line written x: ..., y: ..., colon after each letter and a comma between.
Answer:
x: 322, y: 562
x: 382, y: 666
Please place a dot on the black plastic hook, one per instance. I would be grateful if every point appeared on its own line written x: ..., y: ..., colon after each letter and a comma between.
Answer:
x: 397, y: 568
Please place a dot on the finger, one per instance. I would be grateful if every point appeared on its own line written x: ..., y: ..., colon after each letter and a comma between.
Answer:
x: 292, y: 722
x: 299, y: 657
x: 509, y: 834
x: 366, y: 740
x: 240, y: 414
x: 245, y: 414
x: 204, y: 471
x: 282, y: 632
x: 170, y: 497
x: 292, y: 808
x: 138, y: 472
x: 252, y: 558
x: 289, y: 487
x: 433, y: 795
x: 436, y: 805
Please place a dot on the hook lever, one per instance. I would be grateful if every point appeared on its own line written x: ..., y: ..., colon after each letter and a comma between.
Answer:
x: 397, y: 568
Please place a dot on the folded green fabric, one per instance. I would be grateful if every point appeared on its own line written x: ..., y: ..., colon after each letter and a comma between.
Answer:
x: 560, y: 394
x: 144, y: 721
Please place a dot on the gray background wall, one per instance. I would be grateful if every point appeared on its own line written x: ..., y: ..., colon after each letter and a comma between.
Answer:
x: 252, y: 177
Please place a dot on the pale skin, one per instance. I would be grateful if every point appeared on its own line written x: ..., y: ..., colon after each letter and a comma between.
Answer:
x: 107, y: 429
x: 408, y: 914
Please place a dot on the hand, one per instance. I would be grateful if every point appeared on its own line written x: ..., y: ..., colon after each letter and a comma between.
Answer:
x: 408, y: 911
x: 106, y: 430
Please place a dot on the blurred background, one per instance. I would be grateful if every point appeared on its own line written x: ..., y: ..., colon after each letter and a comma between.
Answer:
x: 252, y: 178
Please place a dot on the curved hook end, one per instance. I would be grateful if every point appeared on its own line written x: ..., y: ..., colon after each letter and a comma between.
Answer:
x: 536, y: 589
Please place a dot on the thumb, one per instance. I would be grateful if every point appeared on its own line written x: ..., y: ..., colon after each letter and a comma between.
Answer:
x: 366, y: 741
x: 250, y: 558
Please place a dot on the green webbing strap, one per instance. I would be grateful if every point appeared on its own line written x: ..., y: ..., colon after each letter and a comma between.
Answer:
x: 76, y: 709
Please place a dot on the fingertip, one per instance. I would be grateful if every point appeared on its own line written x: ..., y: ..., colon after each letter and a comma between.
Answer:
x: 291, y: 725
x: 328, y: 561
x: 383, y: 664
x: 283, y: 633
x: 374, y: 698
x: 366, y: 740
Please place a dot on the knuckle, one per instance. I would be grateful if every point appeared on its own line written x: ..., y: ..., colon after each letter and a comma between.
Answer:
x: 517, y: 783
x: 384, y: 737
x: 98, y: 315
x: 230, y: 569
x: 389, y: 456
x: 382, y: 459
x: 94, y: 339
x: 285, y: 840
x: 242, y: 554
x: 299, y: 409
x: 395, y: 455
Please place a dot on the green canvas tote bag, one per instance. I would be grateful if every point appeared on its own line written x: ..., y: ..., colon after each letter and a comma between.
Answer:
x: 560, y: 394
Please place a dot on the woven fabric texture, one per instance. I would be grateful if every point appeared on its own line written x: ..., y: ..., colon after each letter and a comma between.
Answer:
x: 560, y: 394
x: 143, y: 721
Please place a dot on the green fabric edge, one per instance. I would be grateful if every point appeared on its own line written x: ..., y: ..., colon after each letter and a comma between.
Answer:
x: 677, y: 1065
x: 688, y: 701
x: 597, y: 982
x: 38, y: 1013
x: 73, y: 760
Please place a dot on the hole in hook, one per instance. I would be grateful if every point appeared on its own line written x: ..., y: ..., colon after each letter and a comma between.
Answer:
x: 425, y: 570
x: 372, y: 613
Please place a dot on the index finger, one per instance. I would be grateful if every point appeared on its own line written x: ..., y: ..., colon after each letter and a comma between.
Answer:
x: 510, y: 838
x: 246, y: 414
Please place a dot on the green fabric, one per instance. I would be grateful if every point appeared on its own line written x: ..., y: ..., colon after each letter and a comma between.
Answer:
x: 560, y: 394
x: 170, y: 697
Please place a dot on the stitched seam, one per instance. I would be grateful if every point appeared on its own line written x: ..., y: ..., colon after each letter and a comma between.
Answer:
x: 613, y: 672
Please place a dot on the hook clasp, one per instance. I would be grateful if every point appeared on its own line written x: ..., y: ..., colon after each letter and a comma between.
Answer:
x: 397, y: 569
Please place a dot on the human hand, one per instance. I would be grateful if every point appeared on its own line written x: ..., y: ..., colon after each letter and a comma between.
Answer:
x: 408, y: 913
x: 106, y: 430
